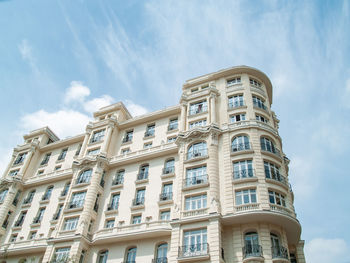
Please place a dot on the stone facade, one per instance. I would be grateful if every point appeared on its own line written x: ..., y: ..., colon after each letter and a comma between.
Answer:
x: 203, y: 181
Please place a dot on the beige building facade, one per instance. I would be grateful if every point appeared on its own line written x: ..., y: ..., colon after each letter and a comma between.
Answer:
x: 202, y: 181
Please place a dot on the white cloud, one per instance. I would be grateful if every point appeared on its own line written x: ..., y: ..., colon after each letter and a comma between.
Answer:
x: 97, y: 103
x: 63, y: 122
x: 321, y: 250
x: 135, y: 109
x: 76, y: 92
x: 27, y: 54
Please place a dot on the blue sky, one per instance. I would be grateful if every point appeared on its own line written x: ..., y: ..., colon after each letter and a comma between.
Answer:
x: 61, y: 60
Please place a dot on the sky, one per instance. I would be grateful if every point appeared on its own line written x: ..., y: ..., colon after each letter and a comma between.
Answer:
x: 60, y: 60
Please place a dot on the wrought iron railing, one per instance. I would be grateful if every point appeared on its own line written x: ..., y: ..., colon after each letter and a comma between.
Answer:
x: 197, y: 153
x: 244, y: 173
x: 240, y: 147
x: 252, y: 251
x: 138, y: 201
x: 193, y: 250
x: 169, y: 170
x: 196, y: 180
x: 166, y: 196
x: 142, y: 176
x: 75, y: 204
x: 279, y: 252
x: 160, y: 260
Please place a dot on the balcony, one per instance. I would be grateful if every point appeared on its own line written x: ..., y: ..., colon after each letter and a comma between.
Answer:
x: 198, y: 109
x: 138, y: 201
x: 236, y: 104
x: 196, y: 180
x: 160, y: 260
x: 197, y: 154
x: 252, y: 251
x: 166, y: 196
x: 279, y: 252
x: 195, y: 212
x: 240, y: 147
x: 246, y: 207
x: 195, y: 251
x: 277, y: 177
x: 169, y: 170
x: 243, y: 174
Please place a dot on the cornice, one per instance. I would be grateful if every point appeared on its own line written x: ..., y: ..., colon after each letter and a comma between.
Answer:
x: 197, y: 133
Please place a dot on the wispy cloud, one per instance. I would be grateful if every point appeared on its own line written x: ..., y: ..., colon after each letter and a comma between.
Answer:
x: 321, y: 250
x: 27, y: 54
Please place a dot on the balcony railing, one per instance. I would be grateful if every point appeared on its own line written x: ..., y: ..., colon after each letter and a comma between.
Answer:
x: 194, y: 250
x: 235, y: 104
x: 117, y: 181
x: 27, y: 200
x: 169, y: 170
x: 84, y: 180
x: 37, y: 220
x: 279, y: 252
x: 277, y: 177
x: 240, y: 147
x: 268, y: 148
x: 197, y: 154
x: 127, y: 139
x: 142, y: 176
x: 138, y: 201
x: 160, y: 260
x: 252, y: 251
x: 196, y: 180
x: 113, y: 206
x: 166, y: 196
x: 197, y: 110
x: 75, y: 204
x: 19, y: 222
x: 149, y: 133
x: 259, y: 105
x: 244, y: 173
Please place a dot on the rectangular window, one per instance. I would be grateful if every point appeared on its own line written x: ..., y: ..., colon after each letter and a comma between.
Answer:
x: 20, y: 158
x: 167, y: 192
x: 119, y: 178
x: 140, y: 197
x: 173, y: 124
x: 257, y: 102
x: 15, y: 200
x: 58, y: 213
x: 61, y: 254
x: 77, y: 200
x: 71, y: 223
x: 254, y: 82
x: 246, y: 197
x: 196, y: 202
x: 233, y: 81
x: 199, y: 123
x: 147, y: 145
x: 261, y: 118
x: 150, y: 130
x: 46, y: 159
x: 114, y: 203
x: 32, y: 235
x: 238, y: 117
x: 39, y: 216
x: 63, y: 154
x: 128, y: 136
x: 242, y: 169
x: 235, y: 101
x: 20, y: 219
x: 196, y: 176
x: 171, y: 139
x: 3, y: 194
x: 272, y: 171
x: 165, y: 215
x: 65, y: 189
x: 125, y: 150
x: 94, y: 151
x: 195, y: 243
x: 136, y: 219
x: 196, y: 108
x: 13, y: 238
x: 13, y: 172
x: 78, y: 150
x: 97, y: 136
x: 110, y: 223
x: 277, y: 198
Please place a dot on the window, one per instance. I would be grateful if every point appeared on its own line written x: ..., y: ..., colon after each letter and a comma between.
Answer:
x: 20, y: 158
x: 3, y: 194
x: 277, y: 250
x: 169, y: 166
x: 196, y: 202
x: 84, y: 177
x: 235, y: 101
x: 110, y: 223
x: 48, y: 193
x: 240, y: 143
x: 246, y: 197
x: 71, y: 223
x: 172, y: 139
x: 29, y: 198
x: 198, y: 107
x: 205, y: 87
x: 195, y: 176
x: 277, y: 198
x: 167, y: 192
x: 94, y: 151
x: 61, y: 254
x: 150, y: 130
x: 195, y: 243
x: 82, y: 256
x: 131, y: 255
x: 257, y: 102
x: 65, y: 189
x: 237, y: 117
x: 97, y: 136
x: 62, y: 154
x: 261, y: 118
x: 233, y: 81
x: 243, y: 169
x: 272, y: 172
x: 199, y: 123
x: 162, y: 252
x: 58, y: 167
x: 125, y: 150
x: 128, y: 136
x: 114, y: 203
x: 194, y: 90
x: 102, y: 256
x: 143, y: 173
x: 58, y: 213
x: 254, y: 82
x: 40, y: 172
x: 251, y: 245
x: 147, y: 145
x: 32, y: 235
x: 77, y: 200
x: 96, y: 202
x: 165, y: 215
x: 13, y: 238
x: 7, y: 218
x: 140, y: 197
x: 13, y: 172
x: 268, y: 145
x: 197, y: 150
x: 20, y: 219
x: 293, y: 258
x: 136, y: 219
x: 39, y: 215
x: 173, y: 124
x: 78, y: 150
x: 46, y: 159
x: 119, y: 177
x: 15, y: 200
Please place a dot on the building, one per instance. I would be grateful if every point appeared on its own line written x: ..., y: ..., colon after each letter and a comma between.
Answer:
x: 203, y: 181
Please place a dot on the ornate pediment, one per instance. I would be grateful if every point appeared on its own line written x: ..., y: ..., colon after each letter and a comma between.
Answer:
x: 198, y: 133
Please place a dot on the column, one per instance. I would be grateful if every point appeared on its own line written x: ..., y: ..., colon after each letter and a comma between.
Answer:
x: 5, y: 206
x: 213, y: 174
x: 83, y: 147
x: 300, y: 252
x: 183, y: 117
x: 26, y: 162
x: 48, y: 253
x: 174, y: 244
x: 213, y: 108
x: 214, y: 240
x: 107, y: 139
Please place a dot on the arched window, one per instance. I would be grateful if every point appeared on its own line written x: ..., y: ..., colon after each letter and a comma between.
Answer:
x: 3, y: 194
x: 278, y: 251
x: 131, y: 255
x: 169, y: 166
x: 102, y: 256
x: 252, y: 247
x: 48, y: 193
x: 143, y: 173
x: 197, y: 150
x: 84, y: 176
x: 162, y: 251
x: 268, y: 145
x: 240, y: 143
